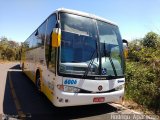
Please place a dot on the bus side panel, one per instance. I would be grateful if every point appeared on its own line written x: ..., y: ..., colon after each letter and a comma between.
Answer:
x: 48, y: 83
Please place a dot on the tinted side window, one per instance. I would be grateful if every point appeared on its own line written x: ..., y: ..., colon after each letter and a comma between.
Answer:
x: 50, y: 52
x: 37, y: 38
x: 26, y: 45
x: 33, y: 41
x: 41, y: 34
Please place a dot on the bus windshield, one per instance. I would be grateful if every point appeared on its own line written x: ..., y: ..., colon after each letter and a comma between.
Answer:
x: 85, y: 40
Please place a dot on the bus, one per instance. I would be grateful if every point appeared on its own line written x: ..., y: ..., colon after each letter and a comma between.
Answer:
x: 76, y: 58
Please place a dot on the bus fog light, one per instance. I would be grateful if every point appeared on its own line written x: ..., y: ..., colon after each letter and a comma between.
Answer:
x: 119, y: 87
x: 61, y: 100
x: 66, y: 100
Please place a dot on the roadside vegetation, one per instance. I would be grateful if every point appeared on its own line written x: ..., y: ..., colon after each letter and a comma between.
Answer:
x: 143, y: 72
x: 9, y: 50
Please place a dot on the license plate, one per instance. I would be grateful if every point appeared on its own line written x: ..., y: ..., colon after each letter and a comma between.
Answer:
x: 99, y: 99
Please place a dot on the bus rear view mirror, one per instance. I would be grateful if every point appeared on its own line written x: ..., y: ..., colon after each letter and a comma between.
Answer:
x: 125, y: 48
x: 56, y: 37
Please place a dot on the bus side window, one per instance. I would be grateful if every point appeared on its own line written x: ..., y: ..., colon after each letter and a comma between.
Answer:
x: 41, y: 35
x: 50, y: 53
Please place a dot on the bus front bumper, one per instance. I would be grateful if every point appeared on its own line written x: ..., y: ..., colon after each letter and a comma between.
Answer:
x: 63, y: 99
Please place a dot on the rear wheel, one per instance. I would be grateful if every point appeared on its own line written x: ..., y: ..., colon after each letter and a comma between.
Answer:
x: 38, y: 81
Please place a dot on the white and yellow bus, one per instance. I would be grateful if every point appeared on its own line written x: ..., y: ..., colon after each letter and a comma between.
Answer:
x: 76, y: 58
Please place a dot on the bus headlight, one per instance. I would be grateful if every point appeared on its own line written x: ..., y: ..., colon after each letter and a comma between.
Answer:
x: 119, y: 87
x: 68, y: 88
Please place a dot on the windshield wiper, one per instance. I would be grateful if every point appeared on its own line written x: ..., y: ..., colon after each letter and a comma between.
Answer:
x: 90, y: 64
x: 91, y: 61
x: 110, y: 59
x: 114, y: 69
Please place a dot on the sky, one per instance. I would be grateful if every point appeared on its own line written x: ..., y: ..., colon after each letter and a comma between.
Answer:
x: 19, y: 18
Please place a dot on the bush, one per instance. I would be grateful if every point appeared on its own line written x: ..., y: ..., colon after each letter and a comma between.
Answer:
x: 142, y: 85
x: 143, y: 71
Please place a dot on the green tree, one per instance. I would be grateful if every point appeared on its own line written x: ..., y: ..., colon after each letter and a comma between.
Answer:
x: 150, y: 40
x: 1, y: 50
x: 9, y: 49
x: 10, y: 54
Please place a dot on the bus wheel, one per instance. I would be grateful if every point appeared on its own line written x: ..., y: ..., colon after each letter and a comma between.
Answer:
x: 38, y: 81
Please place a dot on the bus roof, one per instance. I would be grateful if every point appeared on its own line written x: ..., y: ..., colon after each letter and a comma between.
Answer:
x: 81, y: 14
x: 84, y: 14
